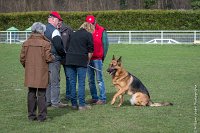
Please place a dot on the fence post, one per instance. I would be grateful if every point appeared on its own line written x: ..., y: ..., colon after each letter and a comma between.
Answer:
x: 161, y: 37
x: 10, y: 37
x: 129, y: 38
x: 195, y: 35
x: 26, y: 35
x: 7, y: 37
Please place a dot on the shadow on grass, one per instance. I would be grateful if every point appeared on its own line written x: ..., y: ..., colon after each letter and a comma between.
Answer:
x: 58, y: 112
x: 109, y: 96
x: 87, y: 96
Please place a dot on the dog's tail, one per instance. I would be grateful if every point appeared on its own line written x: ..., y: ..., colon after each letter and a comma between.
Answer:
x: 152, y: 104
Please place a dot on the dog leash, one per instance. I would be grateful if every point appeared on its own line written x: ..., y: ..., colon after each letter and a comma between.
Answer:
x: 94, y: 68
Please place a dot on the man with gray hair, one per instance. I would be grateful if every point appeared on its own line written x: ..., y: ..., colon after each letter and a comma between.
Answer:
x: 34, y: 57
x: 57, y: 49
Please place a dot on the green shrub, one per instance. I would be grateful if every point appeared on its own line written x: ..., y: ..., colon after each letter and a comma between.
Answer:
x: 113, y: 20
x: 195, y: 4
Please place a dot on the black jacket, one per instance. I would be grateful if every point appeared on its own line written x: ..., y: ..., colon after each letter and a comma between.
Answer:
x: 81, y: 43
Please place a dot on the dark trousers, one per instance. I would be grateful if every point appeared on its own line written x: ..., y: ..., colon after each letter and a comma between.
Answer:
x: 37, y: 98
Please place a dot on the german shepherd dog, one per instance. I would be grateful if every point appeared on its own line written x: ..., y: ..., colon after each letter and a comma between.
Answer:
x: 125, y: 82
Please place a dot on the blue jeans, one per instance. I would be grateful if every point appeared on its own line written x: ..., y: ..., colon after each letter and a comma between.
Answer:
x: 68, y: 91
x: 72, y: 73
x: 99, y: 76
x: 53, y: 90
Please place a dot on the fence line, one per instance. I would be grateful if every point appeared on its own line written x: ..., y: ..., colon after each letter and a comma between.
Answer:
x: 121, y: 37
x: 153, y: 37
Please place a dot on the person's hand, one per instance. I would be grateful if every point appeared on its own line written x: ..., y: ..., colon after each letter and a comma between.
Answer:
x: 103, y: 59
x: 53, y: 57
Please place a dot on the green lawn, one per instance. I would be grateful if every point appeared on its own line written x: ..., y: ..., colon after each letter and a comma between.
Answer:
x: 170, y: 72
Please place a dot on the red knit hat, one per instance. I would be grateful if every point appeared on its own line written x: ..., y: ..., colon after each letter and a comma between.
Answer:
x: 90, y: 19
x: 56, y: 14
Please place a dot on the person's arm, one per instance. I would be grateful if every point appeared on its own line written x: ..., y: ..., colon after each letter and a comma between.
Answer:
x: 89, y: 56
x: 22, y: 56
x: 90, y: 47
x: 48, y: 55
x: 105, y: 44
x: 57, y: 42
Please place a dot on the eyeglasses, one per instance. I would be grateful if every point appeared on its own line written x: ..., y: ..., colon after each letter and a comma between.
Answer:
x: 94, y: 23
x: 51, y: 16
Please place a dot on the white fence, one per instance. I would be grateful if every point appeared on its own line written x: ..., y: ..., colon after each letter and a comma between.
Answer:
x: 153, y: 37
x: 121, y: 37
x: 11, y: 37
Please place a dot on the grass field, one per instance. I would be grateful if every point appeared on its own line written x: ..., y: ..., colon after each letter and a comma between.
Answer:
x: 170, y: 72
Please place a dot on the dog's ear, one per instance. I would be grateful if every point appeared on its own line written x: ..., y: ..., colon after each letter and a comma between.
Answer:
x: 119, y: 60
x: 113, y: 57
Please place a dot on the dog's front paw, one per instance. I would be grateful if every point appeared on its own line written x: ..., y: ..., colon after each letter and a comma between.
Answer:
x: 119, y: 105
x: 112, y: 102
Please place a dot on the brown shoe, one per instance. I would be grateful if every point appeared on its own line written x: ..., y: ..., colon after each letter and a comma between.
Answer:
x: 91, y: 101
x: 59, y: 105
x: 100, y: 102
x: 84, y: 107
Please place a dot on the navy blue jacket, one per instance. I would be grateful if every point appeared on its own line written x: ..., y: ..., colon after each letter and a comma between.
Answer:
x: 56, y: 41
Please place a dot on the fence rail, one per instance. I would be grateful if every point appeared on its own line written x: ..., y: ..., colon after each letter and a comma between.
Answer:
x: 153, y: 37
x: 121, y: 37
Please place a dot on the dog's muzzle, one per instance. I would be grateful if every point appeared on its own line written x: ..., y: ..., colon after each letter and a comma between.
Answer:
x: 111, y: 71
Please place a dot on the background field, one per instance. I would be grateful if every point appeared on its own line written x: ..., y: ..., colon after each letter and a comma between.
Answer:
x: 169, y: 71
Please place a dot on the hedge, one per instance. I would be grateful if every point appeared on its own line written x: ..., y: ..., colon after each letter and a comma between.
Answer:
x: 113, y: 20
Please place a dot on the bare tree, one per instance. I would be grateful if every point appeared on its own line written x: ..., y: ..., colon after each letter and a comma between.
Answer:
x: 89, y: 5
x: 181, y: 4
x: 135, y: 4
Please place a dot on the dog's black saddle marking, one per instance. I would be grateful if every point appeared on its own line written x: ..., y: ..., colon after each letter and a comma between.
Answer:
x: 138, y: 86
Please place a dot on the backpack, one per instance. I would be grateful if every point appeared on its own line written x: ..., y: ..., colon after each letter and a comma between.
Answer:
x: 65, y: 32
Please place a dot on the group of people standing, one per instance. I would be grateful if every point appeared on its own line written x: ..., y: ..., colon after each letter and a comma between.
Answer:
x: 81, y: 53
